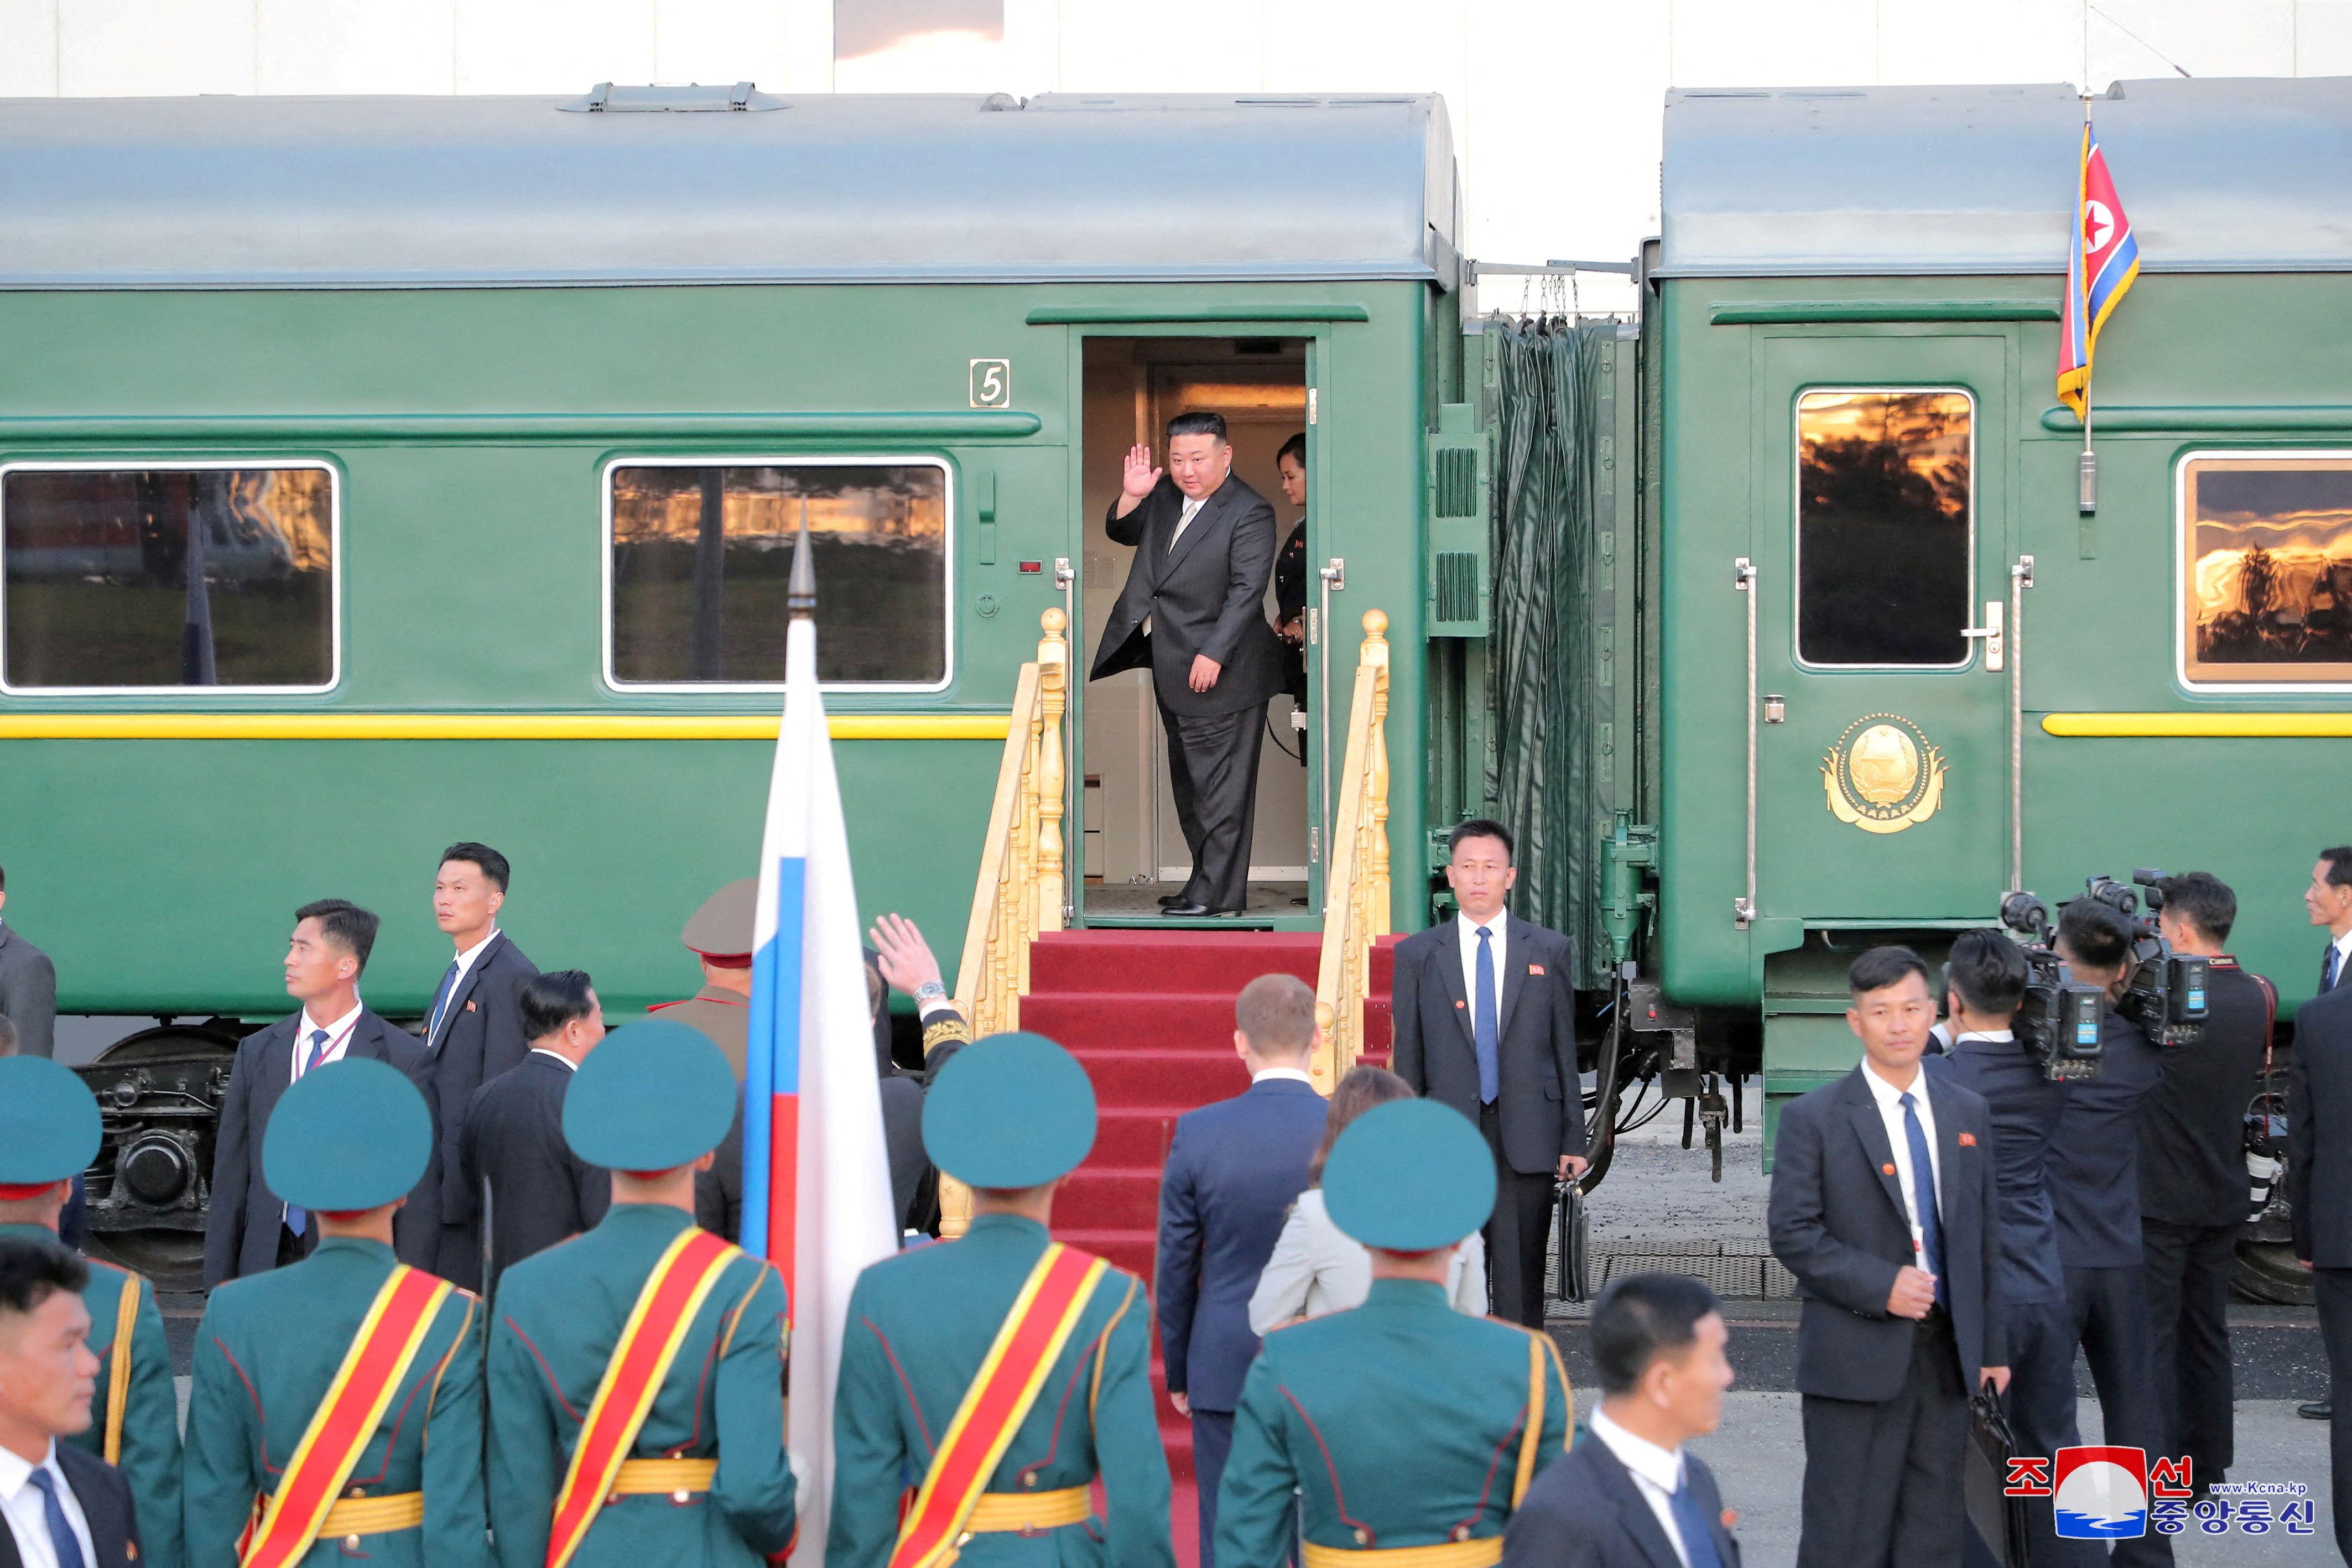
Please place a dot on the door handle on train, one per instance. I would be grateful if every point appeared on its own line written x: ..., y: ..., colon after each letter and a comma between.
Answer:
x: 1996, y: 645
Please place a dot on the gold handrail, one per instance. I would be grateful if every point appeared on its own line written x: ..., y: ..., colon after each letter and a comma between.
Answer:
x: 1356, y: 889
x: 1020, y: 888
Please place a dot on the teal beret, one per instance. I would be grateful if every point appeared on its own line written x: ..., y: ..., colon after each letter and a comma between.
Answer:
x: 1411, y: 1175
x: 48, y: 1123
x: 651, y: 1096
x: 1010, y: 1111
x: 348, y: 1135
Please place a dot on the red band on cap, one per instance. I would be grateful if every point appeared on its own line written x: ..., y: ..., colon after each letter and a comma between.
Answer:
x: 728, y: 960
x: 18, y: 1192
x: 648, y: 1175
x: 344, y: 1216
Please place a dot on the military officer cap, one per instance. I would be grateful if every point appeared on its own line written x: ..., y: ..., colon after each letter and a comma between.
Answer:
x: 721, y: 929
x: 347, y: 1136
x: 1010, y: 1111
x: 652, y: 1096
x: 49, y: 1125
x: 1411, y: 1175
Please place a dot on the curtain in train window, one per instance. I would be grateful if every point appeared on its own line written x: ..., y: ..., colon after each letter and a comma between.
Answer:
x: 147, y: 578
x: 2266, y: 561
x: 1883, y: 525
x: 702, y: 558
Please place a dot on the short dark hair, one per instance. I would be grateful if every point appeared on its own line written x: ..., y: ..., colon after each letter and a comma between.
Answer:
x: 34, y: 1270
x: 1276, y: 1014
x: 2205, y: 901
x: 552, y: 1001
x: 494, y: 864
x: 2093, y: 934
x: 1197, y: 421
x: 2339, y: 866
x: 7, y: 1036
x: 1479, y: 827
x: 1883, y: 966
x: 343, y: 922
x: 1294, y: 447
x: 1987, y: 971
x: 1643, y: 1317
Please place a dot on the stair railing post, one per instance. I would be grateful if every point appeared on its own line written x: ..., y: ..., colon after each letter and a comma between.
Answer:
x: 1053, y: 777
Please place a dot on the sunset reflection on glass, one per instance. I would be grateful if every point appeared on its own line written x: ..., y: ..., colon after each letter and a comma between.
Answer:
x: 1882, y: 524
x: 2268, y: 594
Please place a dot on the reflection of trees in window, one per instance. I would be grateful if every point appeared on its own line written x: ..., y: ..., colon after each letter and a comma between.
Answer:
x: 1883, y: 528
x: 2270, y: 568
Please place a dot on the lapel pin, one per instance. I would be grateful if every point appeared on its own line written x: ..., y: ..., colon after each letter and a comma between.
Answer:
x: 1886, y: 1170
x: 1535, y: 968
x: 1968, y: 1140
x: 1462, y: 1004
x: 471, y: 1008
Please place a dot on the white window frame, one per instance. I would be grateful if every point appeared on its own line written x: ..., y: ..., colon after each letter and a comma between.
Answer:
x: 613, y: 683
x: 1797, y: 529
x: 2180, y: 546
x: 169, y: 463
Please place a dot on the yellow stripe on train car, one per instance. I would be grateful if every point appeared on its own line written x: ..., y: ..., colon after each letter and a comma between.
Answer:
x: 484, y: 727
x: 2201, y: 725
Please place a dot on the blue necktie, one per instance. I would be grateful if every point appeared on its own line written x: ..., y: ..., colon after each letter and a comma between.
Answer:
x: 1483, y: 1027
x: 296, y: 1217
x: 61, y: 1535
x: 1698, y: 1537
x: 440, y: 1000
x: 1923, y: 1190
x: 2327, y: 968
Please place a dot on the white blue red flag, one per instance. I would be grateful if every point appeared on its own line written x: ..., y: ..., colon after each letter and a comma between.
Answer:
x: 817, y: 1178
x: 2100, y: 266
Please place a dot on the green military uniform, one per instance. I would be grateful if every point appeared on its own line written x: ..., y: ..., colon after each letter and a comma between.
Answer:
x: 49, y: 1132
x: 349, y: 1136
x: 1012, y: 1111
x: 1400, y: 1423
x: 721, y: 932
x: 651, y: 1096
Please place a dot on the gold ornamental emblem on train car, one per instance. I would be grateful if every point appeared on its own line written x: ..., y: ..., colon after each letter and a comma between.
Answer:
x: 1882, y: 775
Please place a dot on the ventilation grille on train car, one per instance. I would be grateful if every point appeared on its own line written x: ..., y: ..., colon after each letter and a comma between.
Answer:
x: 1455, y: 523
x: 1457, y: 482
x: 1456, y: 575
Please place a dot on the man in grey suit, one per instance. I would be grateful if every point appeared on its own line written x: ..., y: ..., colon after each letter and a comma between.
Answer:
x: 1883, y: 1207
x: 1194, y: 614
x: 28, y: 985
x: 1485, y: 1012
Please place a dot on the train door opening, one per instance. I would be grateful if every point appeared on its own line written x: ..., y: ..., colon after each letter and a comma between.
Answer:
x: 1134, y: 848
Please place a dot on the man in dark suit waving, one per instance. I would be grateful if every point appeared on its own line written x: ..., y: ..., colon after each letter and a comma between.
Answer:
x: 1883, y: 1207
x: 1485, y: 1021
x: 60, y: 1506
x: 1234, y: 1170
x: 250, y: 1229
x: 1193, y: 612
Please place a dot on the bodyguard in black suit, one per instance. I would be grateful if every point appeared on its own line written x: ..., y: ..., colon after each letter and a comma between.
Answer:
x: 2319, y: 1186
x: 539, y: 1192
x: 1233, y: 1171
x: 1885, y: 1208
x: 28, y: 986
x: 1486, y: 1023
x: 473, y: 1032
x: 1630, y: 1494
x: 62, y: 1504
x: 1193, y: 612
x: 250, y: 1230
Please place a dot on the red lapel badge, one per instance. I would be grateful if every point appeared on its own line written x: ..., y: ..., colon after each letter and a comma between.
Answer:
x: 1462, y: 1004
x: 1968, y: 1140
x: 1535, y: 968
x: 471, y: 1007
x: 1888, y: 1170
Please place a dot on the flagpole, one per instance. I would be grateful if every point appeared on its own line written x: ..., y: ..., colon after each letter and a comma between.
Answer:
x: 2086, y: 499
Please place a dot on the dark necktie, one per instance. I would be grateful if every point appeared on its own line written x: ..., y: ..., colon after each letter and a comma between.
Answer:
x: 61, y: 1536
x: 1484, y: 1029
x: 1698, y: 1538
x: 2327, y: 968
x: 441, y: 1000
x: 296, y: 1217
x: 1923, y: 1190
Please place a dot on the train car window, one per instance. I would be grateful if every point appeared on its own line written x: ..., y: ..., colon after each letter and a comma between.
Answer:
x: 1885, y: 520
x: 120, y: 579
x: 2266, y: 569
x: 701, y: 559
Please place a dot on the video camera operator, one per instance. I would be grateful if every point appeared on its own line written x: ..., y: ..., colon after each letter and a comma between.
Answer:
x: 2192, y: 1176
x: 1984, y: 980
x: 2095, y: 1195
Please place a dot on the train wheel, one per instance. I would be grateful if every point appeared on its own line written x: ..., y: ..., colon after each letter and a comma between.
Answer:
x: 2266, y: 1272
x: 160, y: 1090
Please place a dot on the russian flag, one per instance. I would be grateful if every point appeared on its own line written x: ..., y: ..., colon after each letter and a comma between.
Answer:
x: 816, y: 1177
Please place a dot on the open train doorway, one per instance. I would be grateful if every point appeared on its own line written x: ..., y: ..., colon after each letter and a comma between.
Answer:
x: 1137, y: 852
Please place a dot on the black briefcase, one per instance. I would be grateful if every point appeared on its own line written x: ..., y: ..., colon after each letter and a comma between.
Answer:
x: 1999, y: 1519
x: 1568, y: 1236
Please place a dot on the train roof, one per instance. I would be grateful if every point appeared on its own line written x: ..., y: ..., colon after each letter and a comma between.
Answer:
x: 722, y: 185
x: 2218, y: 175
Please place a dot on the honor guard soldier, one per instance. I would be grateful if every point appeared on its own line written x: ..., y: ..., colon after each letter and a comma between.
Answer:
x: 48, y: 1134
x: 1002, y: 1371
x: 636, y: 1372
x: 1400, y: 1423
x: 337, y: 1407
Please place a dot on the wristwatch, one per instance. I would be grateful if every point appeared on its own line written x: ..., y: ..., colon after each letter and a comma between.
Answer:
x: 927, y: 993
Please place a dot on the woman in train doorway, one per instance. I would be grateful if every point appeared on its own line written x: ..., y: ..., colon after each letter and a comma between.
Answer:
x: 1291, y: 575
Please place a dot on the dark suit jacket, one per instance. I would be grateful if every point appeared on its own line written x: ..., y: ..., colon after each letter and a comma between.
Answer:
x: 541, y: 1192
x: 1838, y: 1224
x: 2094, y: 1159
x: 2319, y: 1130
x: 481, y: 1036
x: 2025, y: 1106
x: 28, y: 992
x: 1584, y: 1510
x: 1233, y: 1171
x: 1207, y: 595
x: 2192, y: 1136
x: 106, y: 1507
x: 242, y: 1225
x: 1541, y: 1099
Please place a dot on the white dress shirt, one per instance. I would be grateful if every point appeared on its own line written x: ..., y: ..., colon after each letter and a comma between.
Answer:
x: 465, y: 966
x: 1657, y: 1473
x: 1890, y: 1111
x: 339, y: 1036
x: 569, y: 1065
x: 28, y: 1519
x: 1467, y: 929
x: 2343, y: 958
x: 1184, y: 519
x: 1298, y: 1074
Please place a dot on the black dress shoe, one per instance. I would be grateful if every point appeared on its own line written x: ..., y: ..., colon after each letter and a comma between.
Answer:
x: 1187, y: 911
x: 1170, y: 900
x: 2317, y: 1409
